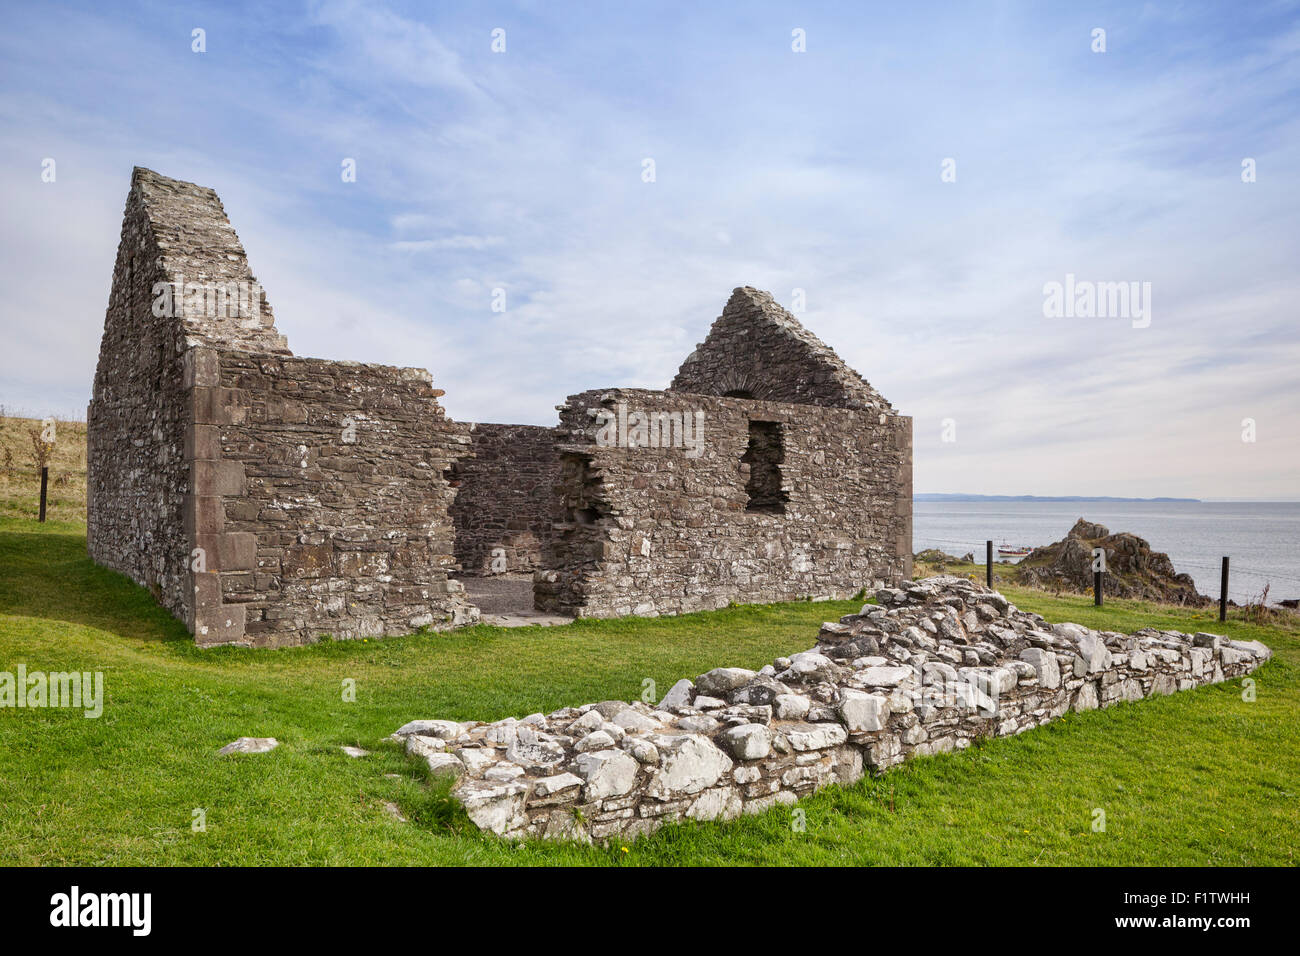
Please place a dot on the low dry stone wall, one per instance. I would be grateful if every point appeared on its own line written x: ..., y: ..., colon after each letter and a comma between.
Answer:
x: 935, y: 665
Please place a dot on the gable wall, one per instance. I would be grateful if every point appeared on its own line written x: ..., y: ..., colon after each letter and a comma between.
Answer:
x: 758, y: 347
x: 651, y: 531
x: 137, y: 475
x: 222, y: 470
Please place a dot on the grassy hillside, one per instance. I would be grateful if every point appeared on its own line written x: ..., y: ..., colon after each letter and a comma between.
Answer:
x: 1201, y: 777
x: 20, y: 478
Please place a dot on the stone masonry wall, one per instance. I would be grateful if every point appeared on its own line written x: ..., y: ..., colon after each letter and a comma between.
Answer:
x: 326, y: 511
x: 503, y: 508
x: 137, y: 476
x: 219, y: 476
x: 265, y: 499
x: 214, y: 294
x: 653, y: 530
x: 757, y: 347
x: 935, y: 666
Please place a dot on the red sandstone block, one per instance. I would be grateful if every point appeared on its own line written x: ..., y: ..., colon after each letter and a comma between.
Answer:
x: 202, y: 367
x: 220, y: 625
x: 207, y: 592
x: 217, y: 477
x: 216, y: 406
x: 233, y: 551
x: 202, y: 441
x: 204, y: 514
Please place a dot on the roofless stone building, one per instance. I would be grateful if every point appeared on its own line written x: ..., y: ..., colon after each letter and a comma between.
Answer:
x: 265, y: 498
x: 262, y: 497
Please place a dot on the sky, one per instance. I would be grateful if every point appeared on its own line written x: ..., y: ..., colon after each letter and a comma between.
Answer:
x: 917, y: 174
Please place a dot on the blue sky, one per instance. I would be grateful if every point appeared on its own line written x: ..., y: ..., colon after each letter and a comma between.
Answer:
x: 818, y: 171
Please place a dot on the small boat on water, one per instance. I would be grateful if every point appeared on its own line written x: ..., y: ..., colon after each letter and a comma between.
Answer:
x: 1012, y: 551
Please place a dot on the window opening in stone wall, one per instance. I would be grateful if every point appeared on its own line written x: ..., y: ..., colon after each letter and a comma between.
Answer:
x: 738, y: 393
x: 453, y: 475
x: 765, y: 454
x: 454, y: 478
x: 581, y: 494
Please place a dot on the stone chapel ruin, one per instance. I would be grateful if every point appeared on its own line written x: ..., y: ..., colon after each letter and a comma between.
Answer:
x: 268, y: 499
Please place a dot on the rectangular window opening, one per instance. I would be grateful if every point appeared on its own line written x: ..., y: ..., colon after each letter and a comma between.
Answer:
x: 764, y: 456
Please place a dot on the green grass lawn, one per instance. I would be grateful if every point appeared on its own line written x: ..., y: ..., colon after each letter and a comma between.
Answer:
x: 1201, y: 777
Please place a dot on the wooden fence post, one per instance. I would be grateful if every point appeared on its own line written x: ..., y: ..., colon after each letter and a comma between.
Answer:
x: 1223, y: 591
x: 1098, y: 565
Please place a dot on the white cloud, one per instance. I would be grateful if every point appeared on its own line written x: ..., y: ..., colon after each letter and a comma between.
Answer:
x: 446, y: 242
x: 522, y: 172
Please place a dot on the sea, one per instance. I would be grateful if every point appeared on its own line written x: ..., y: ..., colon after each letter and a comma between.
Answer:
x: 1261, y: 539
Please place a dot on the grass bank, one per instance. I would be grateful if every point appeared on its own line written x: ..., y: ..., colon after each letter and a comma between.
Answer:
x: 1202, y: 777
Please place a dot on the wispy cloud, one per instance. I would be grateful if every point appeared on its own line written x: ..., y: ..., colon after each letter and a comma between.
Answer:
x: 819, y: 171
x: 476, y: 243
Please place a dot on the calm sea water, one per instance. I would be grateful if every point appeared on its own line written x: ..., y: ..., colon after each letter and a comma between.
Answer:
x: 1262, y: 539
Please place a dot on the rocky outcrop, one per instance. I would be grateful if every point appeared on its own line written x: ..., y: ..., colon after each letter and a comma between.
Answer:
x: 935, y: 665
x: 1133, y: 570
x: 938, y: 558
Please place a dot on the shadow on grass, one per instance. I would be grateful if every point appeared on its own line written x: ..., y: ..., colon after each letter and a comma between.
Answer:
x: 48, y: 574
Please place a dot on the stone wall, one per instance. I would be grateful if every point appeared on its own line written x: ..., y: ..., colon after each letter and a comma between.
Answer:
x: 219, y: 477
x: 757, y: 349
x: 266, y: 499
x: 137, y: 477
x: 668, y: 529
x: 327, y: 512
x: 503, y: 509
x: 212, y: 292
x: 935, y: 666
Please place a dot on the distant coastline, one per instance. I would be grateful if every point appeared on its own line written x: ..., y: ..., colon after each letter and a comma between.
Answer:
x: 961, y: 497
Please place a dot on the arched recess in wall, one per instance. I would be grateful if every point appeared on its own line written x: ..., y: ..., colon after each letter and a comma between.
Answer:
x: 740, y: 385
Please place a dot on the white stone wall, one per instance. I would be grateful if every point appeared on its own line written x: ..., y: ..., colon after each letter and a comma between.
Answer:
x: 934, y: 666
